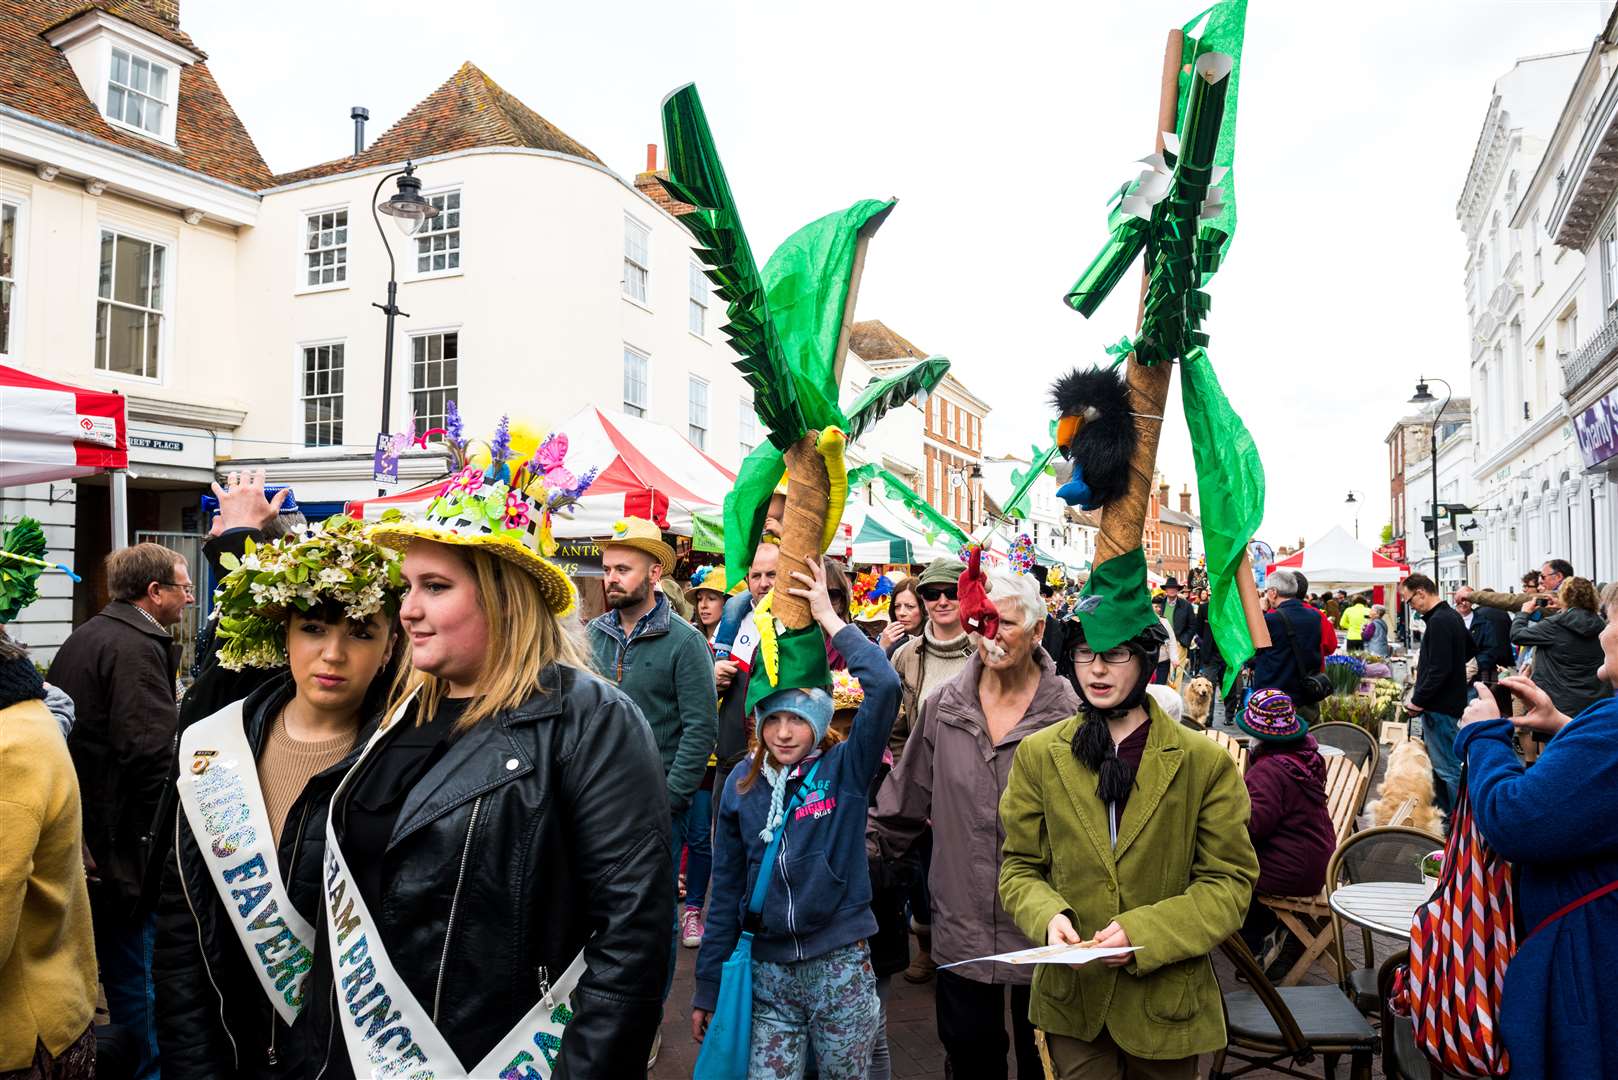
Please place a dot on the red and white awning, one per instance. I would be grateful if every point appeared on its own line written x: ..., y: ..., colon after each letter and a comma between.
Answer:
x: 1337, y: 560
x: 52, y: 431
x: 647, y: 470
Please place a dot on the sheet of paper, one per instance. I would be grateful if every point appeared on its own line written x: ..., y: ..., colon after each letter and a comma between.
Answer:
x: 1050, y: 954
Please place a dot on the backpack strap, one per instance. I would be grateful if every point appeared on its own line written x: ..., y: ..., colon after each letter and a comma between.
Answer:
x: 761, y: 887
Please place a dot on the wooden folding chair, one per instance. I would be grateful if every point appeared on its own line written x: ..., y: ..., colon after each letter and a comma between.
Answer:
x: 1237, y: 752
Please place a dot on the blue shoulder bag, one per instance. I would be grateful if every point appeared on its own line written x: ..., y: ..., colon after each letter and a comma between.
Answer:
x: 728, y: 1043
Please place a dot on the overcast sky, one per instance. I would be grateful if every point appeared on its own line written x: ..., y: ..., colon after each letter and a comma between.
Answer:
x: 1003, y: 129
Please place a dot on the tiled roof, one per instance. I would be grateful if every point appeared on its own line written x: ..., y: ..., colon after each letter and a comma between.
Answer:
x: 470, y: 110
x: 37, y: 79
x: 871, y: 340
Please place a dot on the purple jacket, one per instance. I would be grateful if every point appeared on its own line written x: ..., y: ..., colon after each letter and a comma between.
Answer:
x: 1291, y: 827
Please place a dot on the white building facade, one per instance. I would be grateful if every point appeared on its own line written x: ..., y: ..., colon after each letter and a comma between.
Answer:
x: 1525, y: 293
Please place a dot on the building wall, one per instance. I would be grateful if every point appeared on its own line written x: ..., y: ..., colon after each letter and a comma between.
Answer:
x: 539, y: 304
x: 174, y: 419
x: 954, y: 443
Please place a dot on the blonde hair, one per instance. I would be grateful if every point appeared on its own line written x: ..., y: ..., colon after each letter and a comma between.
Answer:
x: 524, y: 639
x: 1577, y: 592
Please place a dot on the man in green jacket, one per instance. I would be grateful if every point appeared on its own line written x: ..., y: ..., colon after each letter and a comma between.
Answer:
x: 1126, y: 830
x: 662, y: 662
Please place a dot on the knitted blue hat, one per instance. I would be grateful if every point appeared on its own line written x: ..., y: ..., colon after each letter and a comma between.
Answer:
x: 814, y: 706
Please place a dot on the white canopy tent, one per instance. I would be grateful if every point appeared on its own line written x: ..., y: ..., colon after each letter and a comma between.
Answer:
x: 1338, y: 561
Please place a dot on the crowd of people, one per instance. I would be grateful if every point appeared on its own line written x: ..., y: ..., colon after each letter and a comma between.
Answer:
x: 408, y: 811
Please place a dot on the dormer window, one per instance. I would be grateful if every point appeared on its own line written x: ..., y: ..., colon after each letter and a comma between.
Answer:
x: 130, y: 73
x: 137, y: 92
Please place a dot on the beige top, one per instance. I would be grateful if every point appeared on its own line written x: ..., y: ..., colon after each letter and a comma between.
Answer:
x: 287, y: 764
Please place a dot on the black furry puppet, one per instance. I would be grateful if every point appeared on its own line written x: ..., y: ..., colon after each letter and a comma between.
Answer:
x: 1096, y: 434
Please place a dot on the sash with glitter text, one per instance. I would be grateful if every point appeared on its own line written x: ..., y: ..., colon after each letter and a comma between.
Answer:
x: 387, y: 1032
x: 220, y: 794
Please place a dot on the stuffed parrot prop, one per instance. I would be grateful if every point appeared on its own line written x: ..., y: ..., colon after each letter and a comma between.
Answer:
x: 1180, y: 215
x: 786, y: 324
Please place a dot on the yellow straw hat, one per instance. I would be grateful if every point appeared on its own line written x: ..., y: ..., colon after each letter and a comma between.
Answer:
x: 644, y: 536
x: 504, y: 509
x: 713, y: 580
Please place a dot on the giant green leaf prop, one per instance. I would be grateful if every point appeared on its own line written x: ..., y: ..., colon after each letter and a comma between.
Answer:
x: 785, y: 323
x: 1181, y: 215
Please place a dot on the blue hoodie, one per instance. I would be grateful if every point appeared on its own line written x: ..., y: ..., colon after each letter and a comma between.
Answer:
x: 820, y: 899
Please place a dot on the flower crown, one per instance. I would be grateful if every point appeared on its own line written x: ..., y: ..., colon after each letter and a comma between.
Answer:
x: 335, y: 561
x: 511, y: 495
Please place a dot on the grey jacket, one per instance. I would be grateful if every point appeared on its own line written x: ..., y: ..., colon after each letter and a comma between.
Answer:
x: 950, y: 754
x: 1567, y: 652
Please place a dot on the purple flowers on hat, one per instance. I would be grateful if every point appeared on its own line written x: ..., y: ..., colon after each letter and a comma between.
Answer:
x: 1270, y: 715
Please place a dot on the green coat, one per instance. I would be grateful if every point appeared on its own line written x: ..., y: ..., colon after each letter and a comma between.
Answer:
x: 1178, y: 883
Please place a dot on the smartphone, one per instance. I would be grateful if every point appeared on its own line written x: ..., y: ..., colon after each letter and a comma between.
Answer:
x: 1502, y: 698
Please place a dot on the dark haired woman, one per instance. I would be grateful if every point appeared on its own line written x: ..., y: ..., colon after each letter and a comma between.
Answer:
x: 241, y: 889
x: 1144, y: 824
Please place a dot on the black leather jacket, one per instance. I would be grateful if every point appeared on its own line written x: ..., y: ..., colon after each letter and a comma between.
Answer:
x: 542, y: 830
x: 213, y: 1019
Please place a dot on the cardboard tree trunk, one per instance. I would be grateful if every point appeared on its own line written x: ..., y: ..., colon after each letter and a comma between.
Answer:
x: 802, y: 528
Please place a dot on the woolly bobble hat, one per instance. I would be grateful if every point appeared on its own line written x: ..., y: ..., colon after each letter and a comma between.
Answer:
x: 814, y: 707
x: 1270, y: 716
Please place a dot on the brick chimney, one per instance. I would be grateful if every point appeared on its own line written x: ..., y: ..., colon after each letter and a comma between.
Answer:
x: 1185, y: 499
x: 647, y: 183
x: 166, y: 10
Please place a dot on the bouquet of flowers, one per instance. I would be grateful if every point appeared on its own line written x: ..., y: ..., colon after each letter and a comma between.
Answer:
x: 1345, y: 673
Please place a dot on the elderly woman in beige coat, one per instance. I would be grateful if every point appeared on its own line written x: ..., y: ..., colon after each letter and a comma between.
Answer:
x: 961, y: 750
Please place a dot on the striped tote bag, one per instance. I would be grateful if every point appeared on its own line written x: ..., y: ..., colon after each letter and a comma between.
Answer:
x: 1460, y: 944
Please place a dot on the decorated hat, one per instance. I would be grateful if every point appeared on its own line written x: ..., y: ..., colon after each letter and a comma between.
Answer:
x: 846, y: 691
x: 505, y: 507
x: 1270, y: 716
x: 644, y: 536
x: 710, y: 578
x: 873, y: 595
x: 335, y: 562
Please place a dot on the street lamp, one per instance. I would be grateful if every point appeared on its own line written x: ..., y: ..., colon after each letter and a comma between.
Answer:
x: 1352, y: 501
x: 1423, y: 396
x: 409, y: 212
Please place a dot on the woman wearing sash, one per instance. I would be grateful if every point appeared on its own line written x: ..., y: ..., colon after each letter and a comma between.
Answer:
x: 230, y: 962
x: 498, y: 877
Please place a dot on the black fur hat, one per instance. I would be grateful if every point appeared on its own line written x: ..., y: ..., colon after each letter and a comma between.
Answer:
x: 1101, y: 451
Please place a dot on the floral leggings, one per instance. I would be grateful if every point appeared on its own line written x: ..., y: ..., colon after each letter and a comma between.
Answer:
x: 829, y: 1000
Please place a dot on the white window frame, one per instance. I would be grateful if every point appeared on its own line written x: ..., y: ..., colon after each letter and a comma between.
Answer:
x: 303, y: 398
x: 446, y: 233
x: 641, y: 408
x: 696, y: 432
x: 701, y: 299
x: 1609, y: 263
x: 451, y: 391
x: 641, y: 261
x: 746, y: 426
x: 11, y: 338
x: 346, y: 247
x: 165, y: 324
x: 168, y: 102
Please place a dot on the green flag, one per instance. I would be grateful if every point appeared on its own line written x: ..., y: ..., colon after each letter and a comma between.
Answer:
x: 1218, y: 29
x: 1230, y: 494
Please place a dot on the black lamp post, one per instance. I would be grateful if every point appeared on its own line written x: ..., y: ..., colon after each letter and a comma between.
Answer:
x: 409, y: 212
x: 1352, y: 501
x: 1423, y: 396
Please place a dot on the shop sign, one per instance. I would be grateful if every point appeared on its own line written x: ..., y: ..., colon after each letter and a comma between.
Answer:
x: 578, y: 558
x: 1597, y: 430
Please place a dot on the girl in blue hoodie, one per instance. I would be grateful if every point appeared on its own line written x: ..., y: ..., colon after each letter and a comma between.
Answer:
x: 812, y: 978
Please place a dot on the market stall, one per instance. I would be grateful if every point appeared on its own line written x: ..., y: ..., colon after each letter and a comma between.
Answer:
x: 52, y: 431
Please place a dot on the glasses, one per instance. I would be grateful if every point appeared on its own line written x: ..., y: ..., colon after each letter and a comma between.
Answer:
x: 934, y: 593
x: 189, y: 590
x: 1116, y: 655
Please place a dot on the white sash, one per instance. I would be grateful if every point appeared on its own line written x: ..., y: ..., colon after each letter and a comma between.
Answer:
x: 387, y: 1032
x: 220, y: 793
